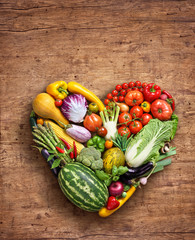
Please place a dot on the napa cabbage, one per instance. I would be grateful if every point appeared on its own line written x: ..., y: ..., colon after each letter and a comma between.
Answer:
x: 146, y: 144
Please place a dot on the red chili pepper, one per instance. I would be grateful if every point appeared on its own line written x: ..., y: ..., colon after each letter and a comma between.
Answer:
x: 170, y: 98
x: 60, y: 150
x: 112, y: 203
x: 75, y: 149
x: 68, y: 148
x: 151, y: 92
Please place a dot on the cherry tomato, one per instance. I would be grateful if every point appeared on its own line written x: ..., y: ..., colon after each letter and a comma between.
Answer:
x: 161, y: 109
x: 136, y: 112
x: 106, y: 101
x: 114, y: 92
x: 131, y: 84
x: 108, y: 144
x: 125, y: 85
x: 109, y: 96
x: 141, y: 90
x: 144, y: 84
x: 128, y: 90
x: 124, y: 130
x: 102, y: 131
x: 58, y: 102
x: 146, y: 118
x: 123, y: 92
x: 135, y: 89
x: 121, y: 98
x: 125, y: 117
x: 138, y: 84
x: 40, y: 121
x: 118, y: 88
x: 135, y: 126
x: 115, y: 98
x: 134, y: 98
x: 93, y: 107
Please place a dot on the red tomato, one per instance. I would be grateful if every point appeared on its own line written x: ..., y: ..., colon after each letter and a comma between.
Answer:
x: 92, y: 122
x: 121, y: 98
x: 106, y: 101
x: 124, y: 130
x: 114, y: 92
x: 123, y: 92
x: 144, y: 84
x: 115, y: 98
x: 109, y: 96
x: 138, y: 84
x: 118, y: 88
x: 141, y: 90
x: 135, y: 89
x: 134, y: 98
x: 135, y: 126
x: 125, y: 85
x: 161, y: 109
x: 131, y: 84
x: 102, y: 131
x: 146, y: 118
x: 128, y: 90
x: 58, y: 102
x: 136, y: 112
x: 125, y: 117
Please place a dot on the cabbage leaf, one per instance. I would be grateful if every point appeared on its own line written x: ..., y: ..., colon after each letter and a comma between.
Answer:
x: 146, y: 144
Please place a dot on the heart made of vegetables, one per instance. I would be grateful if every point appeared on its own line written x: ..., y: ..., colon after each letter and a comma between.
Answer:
x: 101, y: 152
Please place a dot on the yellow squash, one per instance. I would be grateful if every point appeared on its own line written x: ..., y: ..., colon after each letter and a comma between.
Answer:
x: 75, y: 87
x: 104, y: 212
x: 44, y: 106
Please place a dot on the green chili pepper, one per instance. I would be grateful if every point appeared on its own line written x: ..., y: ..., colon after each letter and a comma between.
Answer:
x: 97, y: 142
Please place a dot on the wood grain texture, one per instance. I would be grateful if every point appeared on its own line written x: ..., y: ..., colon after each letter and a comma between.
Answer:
x: 99, y: 44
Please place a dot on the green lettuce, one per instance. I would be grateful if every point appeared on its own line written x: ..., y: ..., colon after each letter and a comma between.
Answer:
x: 146, y: 144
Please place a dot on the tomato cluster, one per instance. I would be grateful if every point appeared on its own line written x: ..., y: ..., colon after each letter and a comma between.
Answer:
x: 120, y: 91
x: 145, y: 103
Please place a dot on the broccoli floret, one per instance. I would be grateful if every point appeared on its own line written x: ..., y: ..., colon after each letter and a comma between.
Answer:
x: 90, y: 157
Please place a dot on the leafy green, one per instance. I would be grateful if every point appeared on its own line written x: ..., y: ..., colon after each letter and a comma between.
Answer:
x: 146, y: 144
x: 114, y: 176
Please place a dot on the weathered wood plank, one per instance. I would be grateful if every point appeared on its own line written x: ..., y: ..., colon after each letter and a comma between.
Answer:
x: 99, y: 44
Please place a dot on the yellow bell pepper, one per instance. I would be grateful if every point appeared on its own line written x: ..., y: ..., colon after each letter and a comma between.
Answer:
x: 57, y: 89
x: 145, y: 106
x: 104, y: 212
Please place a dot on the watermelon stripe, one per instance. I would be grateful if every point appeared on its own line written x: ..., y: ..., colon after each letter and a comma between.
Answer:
x: 80, y: 197
x: 81, y: 186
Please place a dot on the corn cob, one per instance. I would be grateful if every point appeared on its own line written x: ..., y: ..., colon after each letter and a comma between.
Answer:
x: 60, y: 132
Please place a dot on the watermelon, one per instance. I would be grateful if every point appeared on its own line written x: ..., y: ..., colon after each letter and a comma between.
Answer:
x: 82, y: 187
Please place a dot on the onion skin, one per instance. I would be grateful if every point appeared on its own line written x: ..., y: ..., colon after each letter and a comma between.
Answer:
x: 123, y: 107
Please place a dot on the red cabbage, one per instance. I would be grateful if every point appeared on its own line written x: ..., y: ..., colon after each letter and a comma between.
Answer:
x: 74, y: 108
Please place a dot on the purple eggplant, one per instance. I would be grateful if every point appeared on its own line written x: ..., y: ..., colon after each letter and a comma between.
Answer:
x: 79, y: 133
x: 136, y: 172
x: 46, y: 155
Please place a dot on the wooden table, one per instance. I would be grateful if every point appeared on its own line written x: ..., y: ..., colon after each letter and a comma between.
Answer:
x: 99, y: 44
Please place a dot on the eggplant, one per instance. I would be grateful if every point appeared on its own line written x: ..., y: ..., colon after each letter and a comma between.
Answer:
x: 136, y: 172
x: 79, y: 133
x: 32, y: 120
x: 46, y: 154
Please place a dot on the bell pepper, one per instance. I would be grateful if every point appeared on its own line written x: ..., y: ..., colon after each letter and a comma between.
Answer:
x: 97, y: 142
x: 151, y: 92
x: 169, y: 99
x: 57, y: 89
x: 145, y: 106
